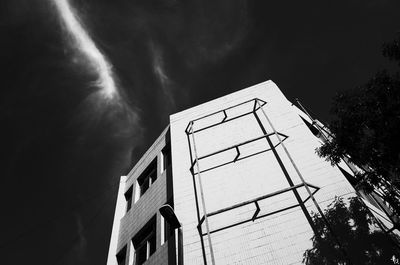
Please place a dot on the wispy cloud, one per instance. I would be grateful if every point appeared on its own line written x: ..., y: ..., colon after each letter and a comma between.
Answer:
x: 159, y: 70
x: 108, y: 102
x: 87, y: 48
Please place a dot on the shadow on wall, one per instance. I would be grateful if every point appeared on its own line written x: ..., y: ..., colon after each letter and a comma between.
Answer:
x: 358, y: 233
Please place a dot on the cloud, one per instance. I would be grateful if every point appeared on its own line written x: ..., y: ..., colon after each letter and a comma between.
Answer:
x: 81, y: 236
x: 215, y: 31
x: 158, y: 64
x: 88, y: 49
x: 108, y: 102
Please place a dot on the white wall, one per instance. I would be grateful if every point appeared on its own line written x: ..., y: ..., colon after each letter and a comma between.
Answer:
x: 120, y: 210
x: 278, y: 239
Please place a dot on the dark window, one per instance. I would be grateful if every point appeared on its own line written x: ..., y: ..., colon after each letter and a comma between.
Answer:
x: 145, y: 242
x: 166, y: 228
x: 128, y: 198
x: 310, y: 126
x: 148, y: 177
x: 166, y: 157
x: 121, y: 256
x: 352, y: 179
x: 168, y: 232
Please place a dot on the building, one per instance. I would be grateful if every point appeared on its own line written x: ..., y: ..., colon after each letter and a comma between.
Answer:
x: 244, y: 182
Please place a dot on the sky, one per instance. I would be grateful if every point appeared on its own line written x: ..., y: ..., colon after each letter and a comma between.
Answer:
x: 88, y: 85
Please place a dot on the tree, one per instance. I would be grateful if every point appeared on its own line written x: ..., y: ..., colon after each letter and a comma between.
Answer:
x: 366, y: 128
x: 357, y: 233
x: 392, y: 50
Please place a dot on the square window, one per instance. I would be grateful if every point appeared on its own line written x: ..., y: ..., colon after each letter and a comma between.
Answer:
x: 166, y: 157
x: 141, y: 254
x: 121, y: 256
x: 148, y: 177
x: 314, y: 130
x: 166, y: 230
x: 145, y: 242
x: 128, y: 198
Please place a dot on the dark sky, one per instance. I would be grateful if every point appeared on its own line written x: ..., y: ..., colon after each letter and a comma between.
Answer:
x: 63, y: 146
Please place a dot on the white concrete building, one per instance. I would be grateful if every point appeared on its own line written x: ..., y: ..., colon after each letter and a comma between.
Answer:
x: 243, y: 178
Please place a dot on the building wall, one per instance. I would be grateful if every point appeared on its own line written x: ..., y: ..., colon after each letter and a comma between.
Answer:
x: 119, y: 213
x: 146, y: 207
x: 281, y: 238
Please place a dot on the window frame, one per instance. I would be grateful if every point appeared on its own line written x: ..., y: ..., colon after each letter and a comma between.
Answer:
x: 146, y: 179
x: 121, y: 256
x: 129, y: 198
x: 166, y: 160
x: 145, y: 241
x: 311, y: 127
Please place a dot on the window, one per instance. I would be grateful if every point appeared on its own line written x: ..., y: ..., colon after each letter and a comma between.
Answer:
x: 145, y: 242
x: 128, y: 198
x: 350, y: 178
x: 310, y: 126
x: 148, y: 177
x: 166, y: 157
x: 166, y: 231
x: 121, y: 256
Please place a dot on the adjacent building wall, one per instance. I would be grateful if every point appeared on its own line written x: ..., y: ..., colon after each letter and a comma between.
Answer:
x: 128, y: 223
x: 119, y: 213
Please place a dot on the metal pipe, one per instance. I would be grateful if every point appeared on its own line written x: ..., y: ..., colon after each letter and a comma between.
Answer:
x: 285, y: 172
x: 305, y: 184
x: 180, y: 246
x: 202, y: 198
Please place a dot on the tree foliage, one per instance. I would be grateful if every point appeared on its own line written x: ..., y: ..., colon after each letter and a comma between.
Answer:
x: 357, y: 234
x: 366, y: 129
x: 392, y: 50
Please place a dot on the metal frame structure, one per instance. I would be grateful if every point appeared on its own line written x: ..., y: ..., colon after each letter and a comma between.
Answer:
x: 238, y: 156
x: 196, y: 172
x: 255, y: 216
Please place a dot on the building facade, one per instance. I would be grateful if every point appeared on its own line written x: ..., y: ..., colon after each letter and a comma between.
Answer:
x: 242, y: 177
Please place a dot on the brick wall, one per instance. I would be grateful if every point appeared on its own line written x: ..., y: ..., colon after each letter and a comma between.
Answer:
x: 146, y: 207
